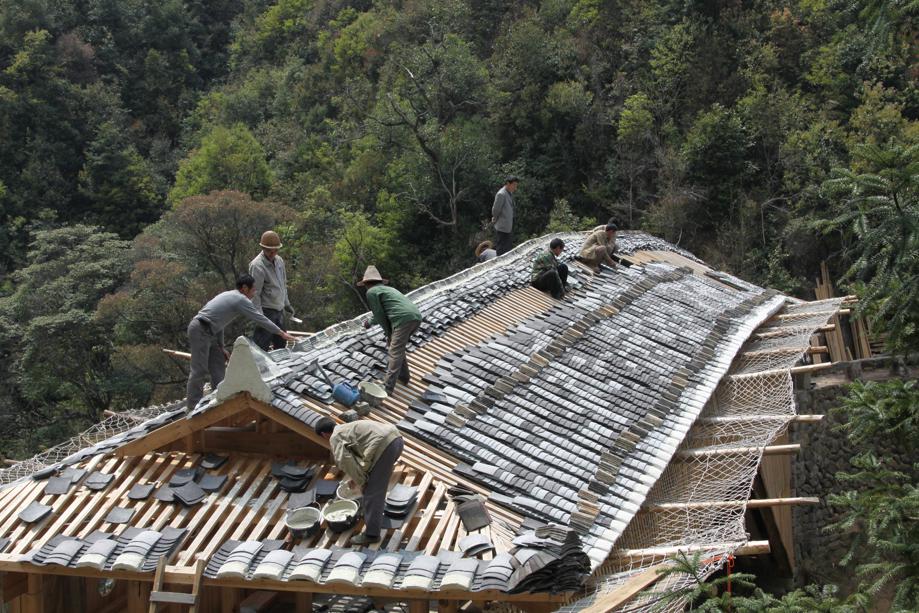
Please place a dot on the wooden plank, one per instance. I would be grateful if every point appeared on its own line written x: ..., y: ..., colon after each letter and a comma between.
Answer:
x: 172, y: 598
x: 628, y: 590
x: 727, y: 451
x: 751, y: 548
x: 753, y: 503
x: 182, y: 427
x: 303, y: 602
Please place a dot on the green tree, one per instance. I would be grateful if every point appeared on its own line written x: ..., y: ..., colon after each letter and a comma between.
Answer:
x: 118, y: 183
x: 62, y: 356
x: 228, y: 159
x: 878, y: 212
x: 218, y: 233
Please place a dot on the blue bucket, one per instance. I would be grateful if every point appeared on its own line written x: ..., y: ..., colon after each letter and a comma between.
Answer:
x: 345, y: 394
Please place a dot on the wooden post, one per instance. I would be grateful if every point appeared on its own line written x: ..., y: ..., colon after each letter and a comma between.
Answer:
x: 33, y: 601
x: 303, y: 602
x: 138, y: 595
x: 230, y: 597
x: 419, y: 606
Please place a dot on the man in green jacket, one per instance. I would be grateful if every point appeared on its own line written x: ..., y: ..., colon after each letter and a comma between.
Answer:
x: 366, y: 451
x: 550, y: 275
x: 400, y: 319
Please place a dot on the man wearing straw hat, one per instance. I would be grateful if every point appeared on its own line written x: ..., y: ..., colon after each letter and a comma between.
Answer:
x: 267, y: 268
x: 399, y: 318
x: 485, y: 252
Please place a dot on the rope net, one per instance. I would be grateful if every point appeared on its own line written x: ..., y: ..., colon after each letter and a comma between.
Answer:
x: 698, y: 504
x: 115, y: 424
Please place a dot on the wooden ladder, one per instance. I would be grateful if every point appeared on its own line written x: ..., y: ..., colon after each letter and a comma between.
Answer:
x: 158, y: 596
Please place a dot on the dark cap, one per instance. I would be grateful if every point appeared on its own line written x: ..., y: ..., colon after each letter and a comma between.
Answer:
x: 612, y: 226
x: 324, y: 425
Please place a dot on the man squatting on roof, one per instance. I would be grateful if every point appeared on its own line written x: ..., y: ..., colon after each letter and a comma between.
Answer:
x: 205, y: 335
x: 599, y: 247
x: 366, y: 451
x: 267, y: 268
x: 550, y: 275
x: 399, y: 318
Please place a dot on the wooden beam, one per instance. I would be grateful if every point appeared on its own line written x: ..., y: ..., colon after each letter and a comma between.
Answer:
x: 755, y: 503
x: 177, y: 354
x: 183, y: 427
x: 628, y: 590
x: 751, y: 548
x: 743, y: 419
x: 716, y: 452
x: 777, y: 333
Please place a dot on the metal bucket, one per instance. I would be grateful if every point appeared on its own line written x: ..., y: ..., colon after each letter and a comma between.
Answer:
x: 371, y: 393
x: 340, y: 514
x: 303, y: 522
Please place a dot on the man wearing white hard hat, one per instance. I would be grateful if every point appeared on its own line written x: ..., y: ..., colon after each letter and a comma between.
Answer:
x: 267, y: 268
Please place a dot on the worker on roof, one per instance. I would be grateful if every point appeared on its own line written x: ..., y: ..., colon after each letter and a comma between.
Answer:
x: 485, y: 252
x: 399, y: 318
x: 502, y: 215
x: 599, y: 246
x: 550, y: 275
x: 366, y: 451
x: 205, y: 335
x: 267, y: 268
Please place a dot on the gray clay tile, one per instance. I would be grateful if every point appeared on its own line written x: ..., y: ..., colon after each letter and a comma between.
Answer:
x: 212, y: 461
x: 98, y: 480
x: 165, y: 494
x: 140, y: 491
x: 212, y: 483
x: 189, y: 494
x: 57, y: 486
x: 34, y: 512
x: 120, y: 515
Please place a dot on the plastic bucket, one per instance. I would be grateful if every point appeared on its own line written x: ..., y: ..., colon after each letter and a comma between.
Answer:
x: 345, y: 394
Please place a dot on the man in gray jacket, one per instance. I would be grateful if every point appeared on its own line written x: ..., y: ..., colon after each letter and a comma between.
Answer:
x: 267, y: 268
x: 502, y: 215
x: 366, y: 451
x: 205, y: 335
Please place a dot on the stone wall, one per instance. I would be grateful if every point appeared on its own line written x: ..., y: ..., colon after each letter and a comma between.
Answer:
x: 825, y: 452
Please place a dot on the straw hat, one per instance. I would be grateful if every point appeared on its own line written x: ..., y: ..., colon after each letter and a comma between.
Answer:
x: 372, y: 274
x: 482, y: 247
x: 270, y: 240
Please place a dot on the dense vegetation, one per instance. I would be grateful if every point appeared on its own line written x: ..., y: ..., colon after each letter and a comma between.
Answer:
x: 147, y: 145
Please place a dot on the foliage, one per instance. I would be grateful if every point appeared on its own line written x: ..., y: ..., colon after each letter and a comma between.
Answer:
x: 878, y: 213
x: 228, y: 159
x: 882, y: 508
x: 694, y: 588
x: 58, y: 356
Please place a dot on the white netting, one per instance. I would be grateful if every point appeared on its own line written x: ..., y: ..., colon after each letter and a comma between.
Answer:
x: 698, y: 504
x: 113, y: 425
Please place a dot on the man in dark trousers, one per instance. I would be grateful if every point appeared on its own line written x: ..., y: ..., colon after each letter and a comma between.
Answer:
x: 205, y: 335
x: 502, y: 215
x: 366, y: 451
x: 399, y: 318
x: 550, y: 275
x: 267, y: 268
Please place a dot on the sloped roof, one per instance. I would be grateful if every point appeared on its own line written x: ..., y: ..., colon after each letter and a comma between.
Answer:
x: 558, y: 411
